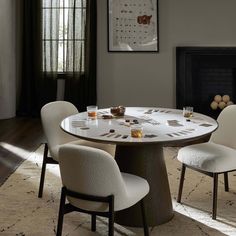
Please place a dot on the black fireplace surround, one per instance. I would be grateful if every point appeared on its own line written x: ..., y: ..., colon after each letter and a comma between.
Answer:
x: 202, y: 73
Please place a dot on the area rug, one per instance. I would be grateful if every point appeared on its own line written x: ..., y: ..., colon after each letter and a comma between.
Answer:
x: 23, y: 214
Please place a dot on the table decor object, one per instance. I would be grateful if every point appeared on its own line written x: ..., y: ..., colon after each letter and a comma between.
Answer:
x: 117, y: 111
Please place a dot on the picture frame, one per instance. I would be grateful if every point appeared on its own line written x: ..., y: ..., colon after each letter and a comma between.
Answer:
x: 133, y: 26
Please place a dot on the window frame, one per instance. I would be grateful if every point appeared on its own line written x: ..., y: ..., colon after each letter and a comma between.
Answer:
x: 60, y: 74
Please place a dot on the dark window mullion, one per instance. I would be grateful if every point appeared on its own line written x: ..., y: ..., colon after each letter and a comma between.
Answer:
x: 74, y: 11
x: 51, y: 54
x: 64, y: 36
x: 83, y: 30
x: 44, y: 41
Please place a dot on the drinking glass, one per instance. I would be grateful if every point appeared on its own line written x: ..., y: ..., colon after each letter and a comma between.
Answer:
x: 188, y: 112
x: 136, y: 131
x: 92, y: 112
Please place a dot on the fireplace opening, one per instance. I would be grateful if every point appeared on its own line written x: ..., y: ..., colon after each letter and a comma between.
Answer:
x: 202, y: 73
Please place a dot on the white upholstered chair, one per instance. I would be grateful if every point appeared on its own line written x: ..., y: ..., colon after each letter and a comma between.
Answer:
x: 218, y: 156
x: 51, y: 116
x: 93, y: 184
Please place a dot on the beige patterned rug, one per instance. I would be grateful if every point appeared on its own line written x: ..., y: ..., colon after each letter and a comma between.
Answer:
x: 22, y: 213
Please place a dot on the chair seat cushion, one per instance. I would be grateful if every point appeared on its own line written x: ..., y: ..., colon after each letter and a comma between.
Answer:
x: 136, y: 188
x: 106, y: 147
x: 208, y: 157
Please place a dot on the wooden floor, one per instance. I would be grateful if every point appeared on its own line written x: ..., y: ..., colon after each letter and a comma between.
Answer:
x: 18, y: 138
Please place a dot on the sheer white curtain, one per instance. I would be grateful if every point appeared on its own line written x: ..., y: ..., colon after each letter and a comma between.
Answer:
x: 63, y: 35
x: 69, y: 48
x: 75, y: 36
x: 63, y: 40
x: 50, y: 34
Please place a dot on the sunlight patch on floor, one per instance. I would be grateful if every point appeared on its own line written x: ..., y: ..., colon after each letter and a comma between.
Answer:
x: 16, y: 150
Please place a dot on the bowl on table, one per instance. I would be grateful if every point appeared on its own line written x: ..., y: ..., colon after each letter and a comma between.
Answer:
x: 117, y: 111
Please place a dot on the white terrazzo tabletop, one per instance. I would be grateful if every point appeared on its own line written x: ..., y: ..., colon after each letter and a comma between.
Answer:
x: 163, y: 125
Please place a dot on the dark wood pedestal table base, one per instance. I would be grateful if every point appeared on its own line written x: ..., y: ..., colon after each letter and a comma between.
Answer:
x: 148, y: 162
x: 143, y: 156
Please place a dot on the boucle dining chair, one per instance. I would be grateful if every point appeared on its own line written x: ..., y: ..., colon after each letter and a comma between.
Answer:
x: 218, y: 156
x: 93, y: 184
x: 51, y: 116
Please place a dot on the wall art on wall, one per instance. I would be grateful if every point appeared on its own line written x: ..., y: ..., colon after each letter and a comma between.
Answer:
x: 133, y: 26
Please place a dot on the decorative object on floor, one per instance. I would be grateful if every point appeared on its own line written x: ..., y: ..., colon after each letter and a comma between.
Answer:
x: 20, y: 207
x: 221, y: 102
x: 133, y: 26
x: 214, y: 157
x: 93, y: 184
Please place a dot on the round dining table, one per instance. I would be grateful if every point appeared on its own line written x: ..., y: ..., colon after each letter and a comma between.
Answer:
x: 143, y: 156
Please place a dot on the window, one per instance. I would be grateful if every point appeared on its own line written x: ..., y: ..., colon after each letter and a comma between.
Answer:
x: 63, y: 35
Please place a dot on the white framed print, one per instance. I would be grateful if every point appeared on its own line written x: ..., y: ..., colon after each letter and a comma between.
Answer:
x: 133, y: 26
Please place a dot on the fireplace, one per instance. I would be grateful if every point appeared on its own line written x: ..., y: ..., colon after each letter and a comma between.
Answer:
x: 202, y: 73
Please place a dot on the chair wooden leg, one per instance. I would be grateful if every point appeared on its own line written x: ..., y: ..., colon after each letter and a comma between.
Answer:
x: 45, y: 154
x: 215, y: 188
x: 145, y: 226
x: 181, y: 183
x: 93, y: 222
x: 111, y: 216
x: 61, y: 212
x: 226, y: 182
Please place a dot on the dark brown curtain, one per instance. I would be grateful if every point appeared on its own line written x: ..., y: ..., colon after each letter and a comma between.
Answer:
x: 80, y: 85
x: 64, y: 48
x: 36, y: 88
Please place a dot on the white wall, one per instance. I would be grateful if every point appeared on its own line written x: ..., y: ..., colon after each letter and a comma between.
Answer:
x: 148, y: 79
x: 7, y: 59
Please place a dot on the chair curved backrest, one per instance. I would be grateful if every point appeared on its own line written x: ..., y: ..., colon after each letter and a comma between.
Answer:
x: 226, y: 132
x: 93, y: 172
x: 51, y: 115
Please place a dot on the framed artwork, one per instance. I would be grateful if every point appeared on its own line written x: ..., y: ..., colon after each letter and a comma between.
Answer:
x: 133, y: 26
